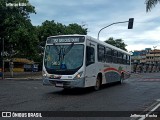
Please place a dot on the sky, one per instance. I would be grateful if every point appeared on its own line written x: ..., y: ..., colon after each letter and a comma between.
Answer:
x: 96, y: 14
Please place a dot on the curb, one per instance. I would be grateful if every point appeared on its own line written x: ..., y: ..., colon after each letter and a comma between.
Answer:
x: 23, y: 79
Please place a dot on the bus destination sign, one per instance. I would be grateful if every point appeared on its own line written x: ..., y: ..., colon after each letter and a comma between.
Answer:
x: 52, y: 40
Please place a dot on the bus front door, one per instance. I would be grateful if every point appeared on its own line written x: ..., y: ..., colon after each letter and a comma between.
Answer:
x: 90, y: 74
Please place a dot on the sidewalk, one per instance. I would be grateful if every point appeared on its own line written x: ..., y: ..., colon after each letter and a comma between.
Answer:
x: 23, y: 76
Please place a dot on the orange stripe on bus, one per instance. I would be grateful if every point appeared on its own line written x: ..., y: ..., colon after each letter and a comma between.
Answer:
x: 111, y: 69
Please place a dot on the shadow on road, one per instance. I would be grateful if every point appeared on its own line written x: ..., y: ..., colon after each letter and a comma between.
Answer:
x: 73, y: 91
x: 82, y: 91
x: 111, y: 85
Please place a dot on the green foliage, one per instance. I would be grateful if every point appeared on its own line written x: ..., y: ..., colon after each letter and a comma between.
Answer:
x: 150, y: 4
x: 16, y: 28
x: 117, y: 42
x: 50, y: 28
x: 75, y: 29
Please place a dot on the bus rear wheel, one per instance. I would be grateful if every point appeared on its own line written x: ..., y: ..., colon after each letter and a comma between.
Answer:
x: 98, y: 84
x: 122, y: 78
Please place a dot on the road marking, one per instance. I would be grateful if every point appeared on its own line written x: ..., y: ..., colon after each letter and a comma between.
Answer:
x: 155, y: 107
x: 149, y: 80
x: 152, y: 110
x: 143, y: 115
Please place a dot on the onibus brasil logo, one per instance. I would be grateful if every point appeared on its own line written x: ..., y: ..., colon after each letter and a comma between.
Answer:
x: 18, y: 114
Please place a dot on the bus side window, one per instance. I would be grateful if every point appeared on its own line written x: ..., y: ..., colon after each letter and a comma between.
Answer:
x: 101, y: 53
x: 120, y: 58
x: 115, y: 56
x: 128, y: 59
x: 90, y: 55
x: 124, y: 59
x: 108, y: 54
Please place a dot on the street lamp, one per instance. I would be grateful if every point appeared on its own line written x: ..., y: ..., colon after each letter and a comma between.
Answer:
x: 130, y: 25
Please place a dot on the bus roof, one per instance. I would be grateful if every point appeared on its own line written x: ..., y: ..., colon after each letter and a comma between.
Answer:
x: 97, y: 41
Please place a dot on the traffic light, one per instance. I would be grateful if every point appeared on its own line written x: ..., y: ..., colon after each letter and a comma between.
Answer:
x: 130, y: 23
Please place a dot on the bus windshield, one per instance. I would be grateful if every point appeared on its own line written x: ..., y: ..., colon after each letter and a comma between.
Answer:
x: 63, y: 59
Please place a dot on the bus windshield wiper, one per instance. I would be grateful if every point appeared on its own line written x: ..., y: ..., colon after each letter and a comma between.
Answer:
x: 61, y: 52
x: 69, y: 48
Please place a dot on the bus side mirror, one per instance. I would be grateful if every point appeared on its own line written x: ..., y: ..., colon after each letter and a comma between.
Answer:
x: 42, y: 45
x: 130, y: 23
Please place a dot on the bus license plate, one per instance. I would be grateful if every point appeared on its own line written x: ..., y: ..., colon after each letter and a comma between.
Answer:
x: 59, y: 84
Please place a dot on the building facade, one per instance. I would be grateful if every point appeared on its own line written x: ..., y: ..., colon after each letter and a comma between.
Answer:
x: 146, y: 60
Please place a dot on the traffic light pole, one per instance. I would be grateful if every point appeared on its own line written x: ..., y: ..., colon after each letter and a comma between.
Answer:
x: 108, y: 26
x: 130, y: 25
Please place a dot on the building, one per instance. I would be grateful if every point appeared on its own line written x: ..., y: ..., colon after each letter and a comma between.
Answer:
x: 139, y: 56
x: 153, y: 56
x: 20, y: 65
x: 146, y: 60
x: 146, y: 56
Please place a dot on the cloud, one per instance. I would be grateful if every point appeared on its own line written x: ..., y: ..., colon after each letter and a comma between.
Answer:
x: 96, y: 14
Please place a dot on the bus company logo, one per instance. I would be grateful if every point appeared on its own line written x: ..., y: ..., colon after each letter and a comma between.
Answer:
x: 57, y: 77
x: 6, y: 114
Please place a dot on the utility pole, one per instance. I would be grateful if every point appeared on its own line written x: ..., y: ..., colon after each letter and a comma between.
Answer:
x: 3, y: 59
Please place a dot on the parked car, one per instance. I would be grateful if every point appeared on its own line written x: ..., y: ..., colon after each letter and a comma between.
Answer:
x: 31, y: 67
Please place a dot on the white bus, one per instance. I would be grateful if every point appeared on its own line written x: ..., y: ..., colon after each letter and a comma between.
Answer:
x: 81, y: 61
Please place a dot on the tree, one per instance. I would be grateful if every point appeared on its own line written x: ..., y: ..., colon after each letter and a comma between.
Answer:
x: 75, y: 29
x: 117, y: 42
x: 150, y: 4
x: 51, y: 28
x: 16, y: 28
x: 21, y: 38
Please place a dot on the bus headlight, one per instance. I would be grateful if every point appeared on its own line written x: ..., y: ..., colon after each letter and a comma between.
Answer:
x: 44, y: 74
x: 78, y: 75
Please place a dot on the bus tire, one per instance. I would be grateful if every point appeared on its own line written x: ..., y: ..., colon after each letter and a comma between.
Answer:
x: 122, y: 78
x: 98, y: 84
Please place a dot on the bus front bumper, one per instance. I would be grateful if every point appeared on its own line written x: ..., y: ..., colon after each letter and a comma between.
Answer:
x: 75, y: 83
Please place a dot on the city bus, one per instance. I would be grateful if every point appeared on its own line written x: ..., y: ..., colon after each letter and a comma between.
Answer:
x: 80, y: 61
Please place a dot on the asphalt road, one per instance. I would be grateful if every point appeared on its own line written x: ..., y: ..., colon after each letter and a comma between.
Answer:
x: 138, y: 93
